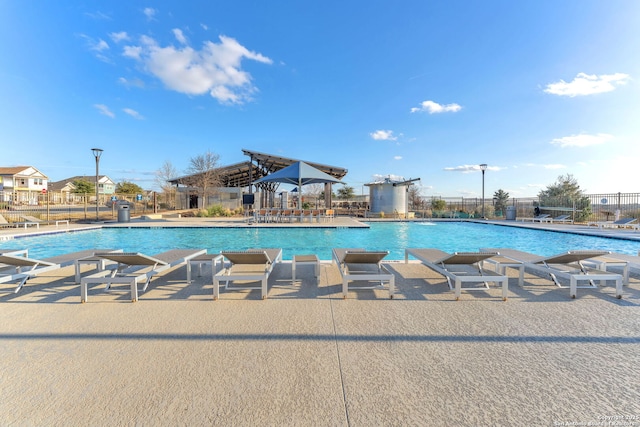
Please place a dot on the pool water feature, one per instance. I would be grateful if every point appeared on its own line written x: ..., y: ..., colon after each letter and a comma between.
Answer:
x: 392, y: 236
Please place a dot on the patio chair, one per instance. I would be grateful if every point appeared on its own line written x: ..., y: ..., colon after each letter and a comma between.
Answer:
x: 132, y: 268
x: 362, y: 265
x: 559, y: 218
x: 254, y: 265
x: 569, y: 266
x: 12, y: 268
x: 4, y: 222
x: 620, y: 223
x: 460, y: 267
x: 538, y: 218
x: 29, y: 220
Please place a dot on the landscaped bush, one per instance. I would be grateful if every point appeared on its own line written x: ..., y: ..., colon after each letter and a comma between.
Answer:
x: 218, y: 210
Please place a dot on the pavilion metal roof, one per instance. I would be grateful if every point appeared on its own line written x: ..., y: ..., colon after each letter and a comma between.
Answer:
x: 259, y: 165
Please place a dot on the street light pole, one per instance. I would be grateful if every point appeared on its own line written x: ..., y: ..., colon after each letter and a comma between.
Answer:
x: 97, y: 152
x: 483, y: 167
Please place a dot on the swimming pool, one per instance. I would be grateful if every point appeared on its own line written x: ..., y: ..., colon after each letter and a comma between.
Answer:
x: 393, y: 236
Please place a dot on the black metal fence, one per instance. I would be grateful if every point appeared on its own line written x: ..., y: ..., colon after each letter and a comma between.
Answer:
x: 590, y: 207
x: 82, y: 207
x: 73, y: 207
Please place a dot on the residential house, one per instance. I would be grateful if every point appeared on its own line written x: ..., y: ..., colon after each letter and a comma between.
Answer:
x: 22, y: 184
x: 61, y: 191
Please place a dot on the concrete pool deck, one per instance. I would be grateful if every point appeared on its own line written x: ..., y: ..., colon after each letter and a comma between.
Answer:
x: 305, y: 356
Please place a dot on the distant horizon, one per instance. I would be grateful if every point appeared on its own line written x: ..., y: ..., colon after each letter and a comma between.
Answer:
x: 426, y: 90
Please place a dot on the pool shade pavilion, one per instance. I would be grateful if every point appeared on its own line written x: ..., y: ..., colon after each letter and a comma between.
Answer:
x: 299, y: 173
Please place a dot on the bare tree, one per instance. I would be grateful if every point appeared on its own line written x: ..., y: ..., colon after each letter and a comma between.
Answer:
x: 314, y: 191
x: 415, y: 199
x: 167, y: 172
x: 205, y: 173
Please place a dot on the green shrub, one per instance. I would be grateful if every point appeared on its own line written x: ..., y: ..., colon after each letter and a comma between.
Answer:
x: 218, y: 210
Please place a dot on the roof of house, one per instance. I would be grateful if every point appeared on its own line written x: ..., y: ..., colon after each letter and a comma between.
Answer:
x: 21, y: 171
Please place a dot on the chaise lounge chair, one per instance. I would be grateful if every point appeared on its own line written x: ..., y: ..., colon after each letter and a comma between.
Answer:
x: 460, y: 267
x: 12, y: 267
x: 360, y: 264
x: 4, y: 222
x: 621, y: 223
x: 252, y: 265
x: 559, y: 218
x: 568, y: 265
x: 133, y: 268
x: 538, y: 218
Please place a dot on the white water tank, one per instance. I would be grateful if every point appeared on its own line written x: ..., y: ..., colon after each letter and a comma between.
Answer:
x: 388, y: 197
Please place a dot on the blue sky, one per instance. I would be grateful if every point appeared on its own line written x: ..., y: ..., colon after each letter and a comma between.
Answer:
x: 413, y: 89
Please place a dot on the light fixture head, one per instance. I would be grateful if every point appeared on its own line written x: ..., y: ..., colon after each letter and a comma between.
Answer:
x: 483, y: 167
x: 97, y: 152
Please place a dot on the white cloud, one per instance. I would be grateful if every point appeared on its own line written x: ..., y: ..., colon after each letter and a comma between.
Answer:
x: 397, y: 157
x: 149, y: 12
x: 133, y: 113
x: 204, y: 27
x: 131, y: 83
x: 383, y: 135
x: 118, y: 37
x: 132, y: 52
x: 554, y: 166
x: 179, y: 36
x: 215, y: 69
x: 587, y: 84
x: 470, y: 168
x: 104, y: 110
x: 582, y: 140
x: 434, y: 108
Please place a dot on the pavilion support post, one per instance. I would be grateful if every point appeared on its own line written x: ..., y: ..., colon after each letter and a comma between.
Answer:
x: 327, y: 195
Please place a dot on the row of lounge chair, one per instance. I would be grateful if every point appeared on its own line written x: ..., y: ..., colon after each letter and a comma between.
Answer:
x: 359, y: 268
x: 293, y: 215
x: 28, y: 221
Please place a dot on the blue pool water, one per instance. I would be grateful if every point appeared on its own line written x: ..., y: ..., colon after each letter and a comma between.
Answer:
x: 394, y: 237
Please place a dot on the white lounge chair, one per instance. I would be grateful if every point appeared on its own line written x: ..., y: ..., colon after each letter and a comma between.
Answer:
x: 29, y: 220
x: 12, y: 268
x: 460, y: 267
x: 363, y: 265
x: 621, y: 223
x: 568, y: 265
x: 4, y: 222
x: 559, y: 218
x: 538, y: 218
x: 133, y: 268
x: 253, y: 265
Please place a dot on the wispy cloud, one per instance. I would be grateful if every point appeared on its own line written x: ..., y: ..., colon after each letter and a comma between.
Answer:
x: 545, y: 166
x: 133, y: 113
x: 383, y: 135
x: 179, y: 36
x: 432, y: 107
x: 131, y: 83
x: 118, y: 37
x: 470, y: 168
x: 587, y: 84
x: 582, y: 140
x: 215, y: 69
x: 397, y: 157
x: 98, y: 16
x: 204, y: 27
x: 149, y: 12
x: 103, y: 109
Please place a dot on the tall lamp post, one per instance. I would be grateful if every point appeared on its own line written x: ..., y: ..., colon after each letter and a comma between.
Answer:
x: 97, y: 152
x: 483, y: 167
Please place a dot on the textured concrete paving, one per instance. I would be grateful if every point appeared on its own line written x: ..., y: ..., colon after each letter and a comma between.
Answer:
x: 305, y: 356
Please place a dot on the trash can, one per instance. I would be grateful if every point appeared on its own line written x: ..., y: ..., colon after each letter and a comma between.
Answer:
x: 124, y: 215
x: 511, y: 213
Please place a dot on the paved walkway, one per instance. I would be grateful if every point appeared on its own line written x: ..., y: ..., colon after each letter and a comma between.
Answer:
x: 305, y: 356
